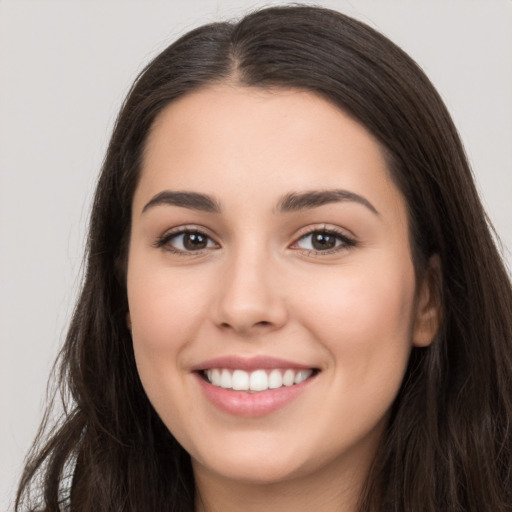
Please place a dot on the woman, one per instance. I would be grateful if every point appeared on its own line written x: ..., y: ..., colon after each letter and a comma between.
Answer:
x: 292, y: 296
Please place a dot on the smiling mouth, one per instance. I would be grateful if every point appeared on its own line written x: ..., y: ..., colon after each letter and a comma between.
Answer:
x: 257, y: 380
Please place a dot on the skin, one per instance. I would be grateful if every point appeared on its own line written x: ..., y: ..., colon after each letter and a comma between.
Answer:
x: 354, y: 312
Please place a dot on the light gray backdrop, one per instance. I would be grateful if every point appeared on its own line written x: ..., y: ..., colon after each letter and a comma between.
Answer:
x: 64, y: 68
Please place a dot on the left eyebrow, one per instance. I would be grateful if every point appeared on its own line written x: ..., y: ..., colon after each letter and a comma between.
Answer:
x: 297, y: 201
x: 190, y: 200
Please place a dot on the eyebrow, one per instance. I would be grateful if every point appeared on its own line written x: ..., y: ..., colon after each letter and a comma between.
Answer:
x: 292, y: 202
x: 297, y: 201
x: 191, y: 200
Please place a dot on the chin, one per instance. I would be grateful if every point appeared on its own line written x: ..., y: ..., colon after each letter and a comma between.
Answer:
x: 251, y: 471
x: 252, y: 461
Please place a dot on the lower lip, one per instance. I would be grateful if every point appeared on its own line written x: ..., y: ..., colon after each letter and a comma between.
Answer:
x: 240, y: 403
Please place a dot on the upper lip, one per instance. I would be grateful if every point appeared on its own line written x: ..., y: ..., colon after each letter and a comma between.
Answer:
x: 249, y: 363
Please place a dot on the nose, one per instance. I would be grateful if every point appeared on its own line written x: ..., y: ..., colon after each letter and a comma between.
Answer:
x: 251, y: 299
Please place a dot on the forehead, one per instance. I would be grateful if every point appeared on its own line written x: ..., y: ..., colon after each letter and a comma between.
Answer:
x: 226, y: 139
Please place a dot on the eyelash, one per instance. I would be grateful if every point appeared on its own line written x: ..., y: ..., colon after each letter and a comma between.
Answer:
x: 346, y: 242
x: 163, y: 241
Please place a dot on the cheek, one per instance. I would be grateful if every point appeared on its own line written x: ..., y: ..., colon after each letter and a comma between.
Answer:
x: 165, y: 316
x: 163, y: 308
x: 364, y: 317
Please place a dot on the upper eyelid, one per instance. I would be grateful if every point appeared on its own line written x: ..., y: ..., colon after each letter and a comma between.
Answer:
x: 327, y: 228
x: 192, y: 228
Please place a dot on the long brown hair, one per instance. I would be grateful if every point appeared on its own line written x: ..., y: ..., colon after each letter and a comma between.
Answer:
x: 449, y: 442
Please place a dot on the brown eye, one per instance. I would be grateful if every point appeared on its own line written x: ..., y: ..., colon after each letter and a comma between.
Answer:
x: 186, y: 241
x: 194, y: 241
x: 324, y: 241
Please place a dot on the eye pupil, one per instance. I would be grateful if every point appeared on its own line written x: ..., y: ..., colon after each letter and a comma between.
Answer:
x: 322, y: 241
x: 194, y: 241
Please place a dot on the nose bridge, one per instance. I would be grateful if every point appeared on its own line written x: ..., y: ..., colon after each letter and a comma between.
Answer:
x: 249, y: 295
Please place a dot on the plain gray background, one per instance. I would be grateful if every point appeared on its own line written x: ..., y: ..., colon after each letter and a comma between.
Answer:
x: 64, y: 69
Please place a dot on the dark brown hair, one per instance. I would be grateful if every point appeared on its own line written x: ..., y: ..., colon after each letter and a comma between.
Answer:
x: 449, y: 442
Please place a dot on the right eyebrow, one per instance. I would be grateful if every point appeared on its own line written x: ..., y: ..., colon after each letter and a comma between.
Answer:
x: 297, y: 201
x: 191, y: 200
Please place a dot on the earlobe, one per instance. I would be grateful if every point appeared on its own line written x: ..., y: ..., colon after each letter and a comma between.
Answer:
x: 428, y: 305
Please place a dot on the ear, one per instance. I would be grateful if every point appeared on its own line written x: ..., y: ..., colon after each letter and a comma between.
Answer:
x: 129, y: 321
x: 428, y: 305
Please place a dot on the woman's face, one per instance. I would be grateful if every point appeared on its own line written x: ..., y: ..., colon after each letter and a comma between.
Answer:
x: 269, y: 253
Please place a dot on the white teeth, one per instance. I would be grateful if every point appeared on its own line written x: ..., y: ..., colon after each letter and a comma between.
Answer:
x: 275, y: 379
x: 258, y: 380
x: 215, y: 377
x: 288, y: 377
x: 302, y: 376
x: 225, y: 379
x: 240, y: 380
